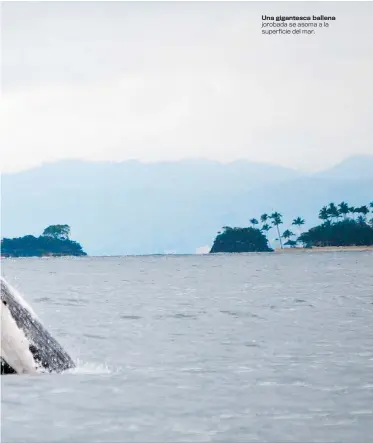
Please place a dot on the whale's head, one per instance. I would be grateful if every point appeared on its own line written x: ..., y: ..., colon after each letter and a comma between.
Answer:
x: 26, y: 346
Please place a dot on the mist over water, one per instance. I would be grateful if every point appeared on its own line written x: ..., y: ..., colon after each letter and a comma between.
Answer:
x: 251, y: 347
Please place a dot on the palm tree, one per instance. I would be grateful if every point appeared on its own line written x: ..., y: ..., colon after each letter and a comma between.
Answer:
x: 343, y: 209
x: 324, y: 214
x: 333, y: 211
x: 254, y: 221
x: 287, y: 234
x: 363, y: 210
x: 371, y: 205
x: 264, y: 218
x: 299, y: 221
x: 361, y: 219
x: 356, y: 211
x: 265, y: 228
x: 276, y: 218
x: 351, y: 210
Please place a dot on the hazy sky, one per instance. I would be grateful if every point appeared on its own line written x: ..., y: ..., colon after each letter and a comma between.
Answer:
x: 166, y: 81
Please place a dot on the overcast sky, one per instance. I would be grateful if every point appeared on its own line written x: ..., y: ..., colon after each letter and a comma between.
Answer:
x: 167, y: 81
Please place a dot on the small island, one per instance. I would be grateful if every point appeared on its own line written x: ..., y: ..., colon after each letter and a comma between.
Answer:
x: 342, y: 226
x: 240, y: 240
x: 54, y: 242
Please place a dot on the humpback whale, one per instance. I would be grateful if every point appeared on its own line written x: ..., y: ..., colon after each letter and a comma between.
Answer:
x: 26, y: 346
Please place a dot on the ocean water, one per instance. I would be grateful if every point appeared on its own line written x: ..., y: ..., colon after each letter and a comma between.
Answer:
x: 228, y: 348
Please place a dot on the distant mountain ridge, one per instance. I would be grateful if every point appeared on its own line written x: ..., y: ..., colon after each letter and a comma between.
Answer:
x: 353, y: 168
x: 142, y: 208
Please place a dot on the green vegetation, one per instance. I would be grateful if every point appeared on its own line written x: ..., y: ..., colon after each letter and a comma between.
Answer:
x: 276, y: 219
x: 342, y: 225
x: 346, y: 232
x: 341, y: 233
x: 240, y: 240
x: 53, y: 242
x: 61, y: 232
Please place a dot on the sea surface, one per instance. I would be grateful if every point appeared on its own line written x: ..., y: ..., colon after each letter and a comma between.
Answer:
x: 225, y: 348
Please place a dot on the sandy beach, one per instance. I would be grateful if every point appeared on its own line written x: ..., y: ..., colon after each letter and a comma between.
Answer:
x: 326, y: 249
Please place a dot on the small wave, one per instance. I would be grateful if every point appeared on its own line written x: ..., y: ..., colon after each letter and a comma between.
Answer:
x: 130, y: 317
x: 90, y: 368
x: 95, y: 336
x: 241, y: 314
x: 181, y: 315
x: 42, y: 299
x: 252, y: 344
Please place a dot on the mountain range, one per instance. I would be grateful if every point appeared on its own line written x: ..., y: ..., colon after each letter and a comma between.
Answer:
x: 151, y: 208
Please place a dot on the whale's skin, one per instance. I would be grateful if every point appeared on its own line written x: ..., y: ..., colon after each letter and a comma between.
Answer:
x: 44, y: 353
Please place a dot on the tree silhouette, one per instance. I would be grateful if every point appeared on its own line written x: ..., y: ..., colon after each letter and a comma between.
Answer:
x: 240, y: 240
x: 331, y: 232
x: 351, y: 210
x: 333, y: 211
x: 343, y: 233
x: 60, y: 232
x: 264, y: 218
x: 265, y: 228
x: 254, y: 221
x: 276, y: 218
x: 298, y: 222
x: 324, y: 214
x: 287, y: 234
x: 30, y: 246
x: 343, y: 209
x: 363, y: 210
x: 291, y: 243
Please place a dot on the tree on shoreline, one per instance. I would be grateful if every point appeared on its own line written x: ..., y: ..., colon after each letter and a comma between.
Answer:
x: 53, y: 242
x: 253, y: 221
x: 298, y: 222
x: 331, y: 232
x: 240, y: 240
x: 342, y: 233
x: 276, y: 218
x: 287, y: 234
x: 324, y: 214
x: 265, y: 228
x: 264, y: 217
x: 363, y: 210
x: 333, y: 211
x: 351, y: 211
x: 343, y: 209
x: 60, y: 232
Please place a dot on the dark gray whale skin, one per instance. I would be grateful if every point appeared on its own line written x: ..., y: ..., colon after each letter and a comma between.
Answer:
x: 47, y: 352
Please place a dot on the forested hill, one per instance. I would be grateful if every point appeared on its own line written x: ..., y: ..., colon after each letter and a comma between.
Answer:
x: 54, y: 242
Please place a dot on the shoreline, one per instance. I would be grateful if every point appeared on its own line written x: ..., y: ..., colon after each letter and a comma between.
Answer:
x: 277, y: 250
x: 326, y: 249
